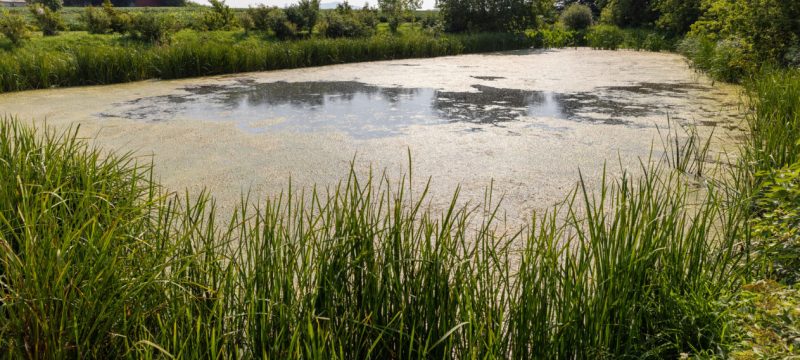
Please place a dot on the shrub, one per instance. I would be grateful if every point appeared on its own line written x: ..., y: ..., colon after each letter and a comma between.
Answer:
x: 677, y: 16
x: 280, y: 24
x: 272, y: 19
x: 246, y: 21
x: 555, y: 37
x: 49, y: 21
x: 97, y: 20
x: 151, y: 27
x: 338, y: 25
x: 305, y: 14
x: 628, y: 13
x: 260, y: 17
x: 13, y: 27
x: 432, y: 24
x: 120, y: 21
x: 727, y: 60
x: 792, y: 57
x: 53, y: 5
x: 777, y: 226
x: 768, y: 27
x: 577, y: 17
x: 368, y: 17
x: 656, y: 42
x: 607, y: 37
x: 220, y: 17
x: 512, y: 15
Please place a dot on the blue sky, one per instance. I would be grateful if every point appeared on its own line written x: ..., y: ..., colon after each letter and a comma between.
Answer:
x: 427, y: 4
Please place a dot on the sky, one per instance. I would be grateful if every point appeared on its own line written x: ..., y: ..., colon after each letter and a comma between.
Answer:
x: 427, y: 4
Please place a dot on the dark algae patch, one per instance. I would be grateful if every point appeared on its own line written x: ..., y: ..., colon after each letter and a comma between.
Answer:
x: 368, y: 111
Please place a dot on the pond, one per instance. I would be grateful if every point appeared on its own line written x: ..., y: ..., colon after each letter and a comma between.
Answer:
x: 524, y: 122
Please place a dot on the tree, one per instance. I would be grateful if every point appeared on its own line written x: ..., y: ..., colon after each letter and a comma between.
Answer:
x: 395, y: 9
x: 768, y: 30
x: 629, y: 13
x: 595, y: 5
x: 13, y: 26
x: 53, y: 5
x: 304, y: 14
x: 577, y: 17
x: 677, y: 16
x: 49, y: 21
x: 492, y: 15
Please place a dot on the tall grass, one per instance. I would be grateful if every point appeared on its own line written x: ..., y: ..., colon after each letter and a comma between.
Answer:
x: 71, y: 63
x: 774, y: 123
x: 97, y: 260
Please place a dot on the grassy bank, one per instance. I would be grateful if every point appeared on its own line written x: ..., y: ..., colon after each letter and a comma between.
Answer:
x: 83, y: 59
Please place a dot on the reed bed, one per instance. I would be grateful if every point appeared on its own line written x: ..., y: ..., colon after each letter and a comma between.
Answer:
x: 97, y: 260
x: 72, y: 63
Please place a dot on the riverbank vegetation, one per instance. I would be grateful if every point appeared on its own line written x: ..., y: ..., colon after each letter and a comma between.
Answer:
x: 97, y: 260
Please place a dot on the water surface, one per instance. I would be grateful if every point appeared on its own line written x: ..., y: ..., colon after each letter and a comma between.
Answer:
x: 525, y: 121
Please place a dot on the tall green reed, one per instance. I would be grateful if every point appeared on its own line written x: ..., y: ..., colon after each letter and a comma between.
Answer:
x: 192, y: 55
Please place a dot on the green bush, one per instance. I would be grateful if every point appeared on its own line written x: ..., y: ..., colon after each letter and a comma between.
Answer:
x: 607, y: 37
x: 272, y: 19
x: 49, y: 21
x: 729, y: 60
x: 677, y: 16
x: 304, y: 14
x: 97, y: 21
x: 554, y: 37
x: 629, y: 13
x: 120, y: 21
x: 338, y: 25
x: 777, y: 224
x: 477, y: 15
x: 368, y: 17
x: 577, y: 17
x: 765, y: 29
x: 246, y: 22
x: 54, y: 5
x: 151, y: 27
x: 13, y: 27
x: 657, y: 42
x: 220, y: 17
x: 280, y: 25
x: 260, y: 17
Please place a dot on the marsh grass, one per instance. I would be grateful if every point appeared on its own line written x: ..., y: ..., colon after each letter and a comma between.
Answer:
x: 97, y: 260
x: 108, y: 59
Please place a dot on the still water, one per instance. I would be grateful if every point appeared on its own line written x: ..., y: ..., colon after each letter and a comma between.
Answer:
x: 525, y: 122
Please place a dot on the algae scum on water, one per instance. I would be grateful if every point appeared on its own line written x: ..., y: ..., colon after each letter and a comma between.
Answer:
x: 525, y: 121
x: 363, y: 111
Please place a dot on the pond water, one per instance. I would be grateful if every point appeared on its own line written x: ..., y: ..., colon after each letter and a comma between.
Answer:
x: 523, y: 121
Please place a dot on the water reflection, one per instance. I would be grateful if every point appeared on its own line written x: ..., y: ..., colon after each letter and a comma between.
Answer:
x: 367, y: 111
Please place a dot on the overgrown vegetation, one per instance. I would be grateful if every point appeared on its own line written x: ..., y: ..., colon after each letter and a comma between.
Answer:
x: 489, y: 15
x: 48, y: 20
x: 13, y: 27
x: 90, y: 60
